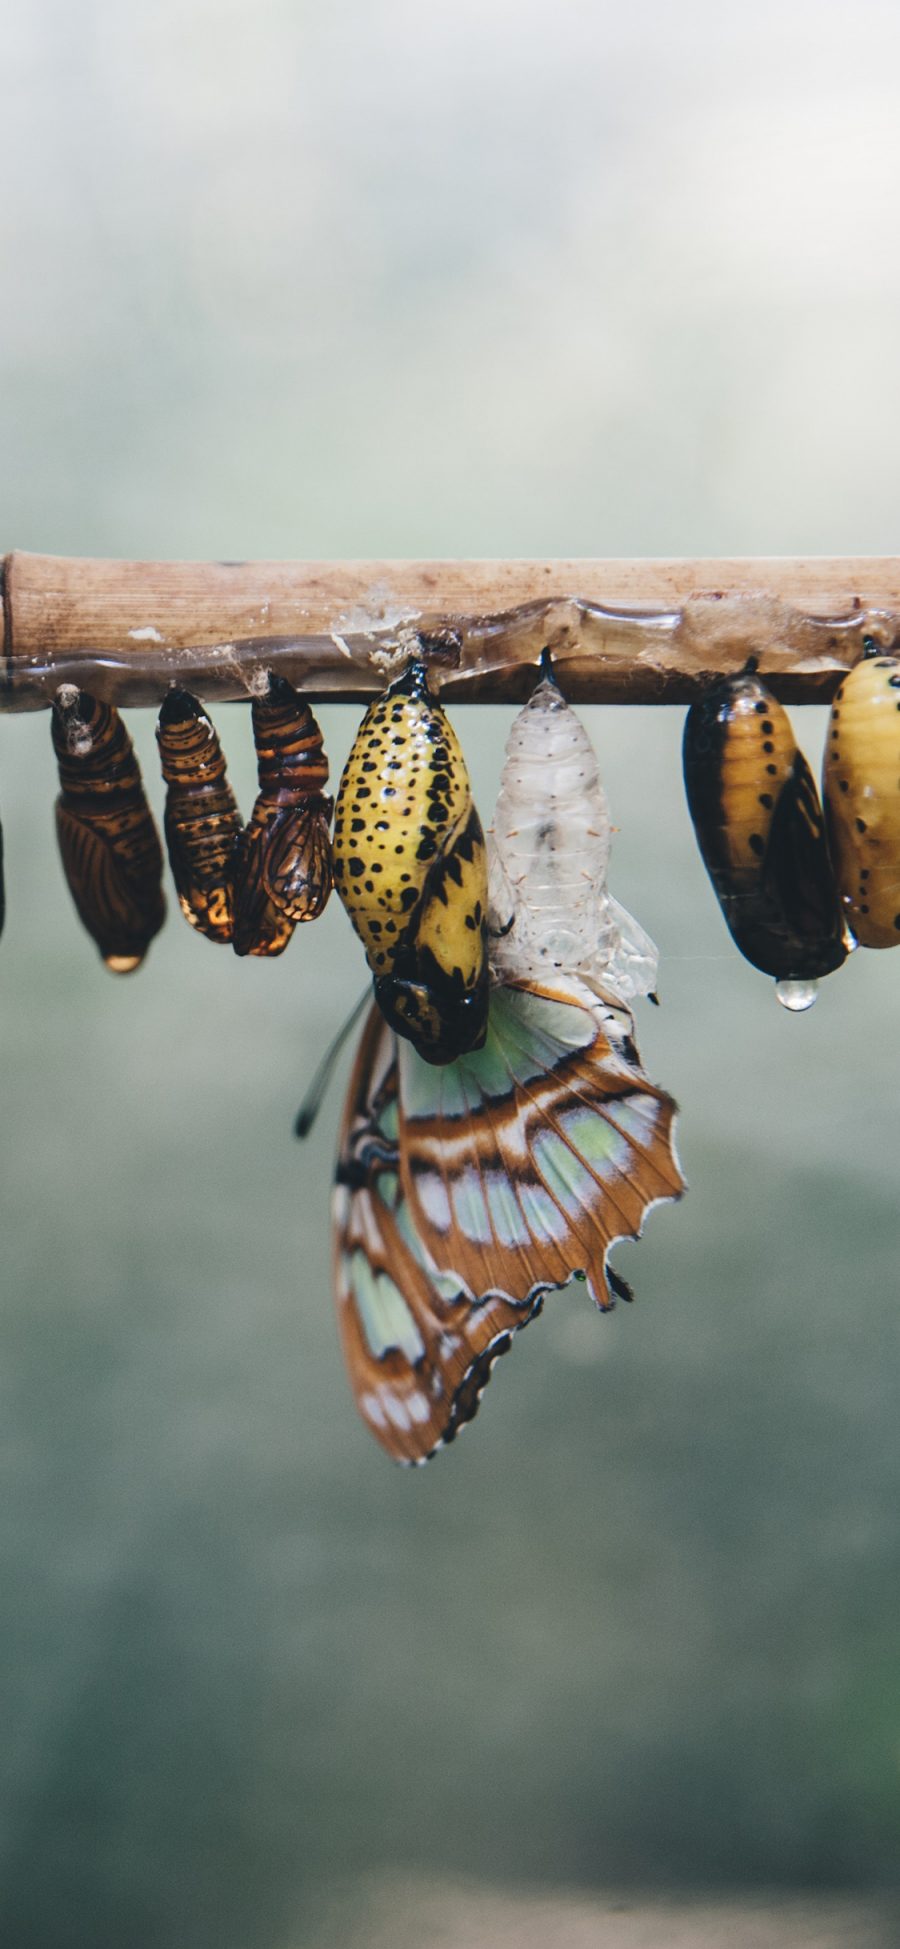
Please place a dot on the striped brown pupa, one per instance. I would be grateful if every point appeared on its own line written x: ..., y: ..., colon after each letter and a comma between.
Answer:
x: 107, y: 837
x: 281, y: 867
x: 861, y: 788
x: 202, y: 820
x: 761, y: 833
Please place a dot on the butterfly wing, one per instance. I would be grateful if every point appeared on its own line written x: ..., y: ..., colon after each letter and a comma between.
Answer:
x: 258, y: 928
x: 526, y: 1160
x: 296, y: 866
x: 419, y: 1346
x: 121, y: 911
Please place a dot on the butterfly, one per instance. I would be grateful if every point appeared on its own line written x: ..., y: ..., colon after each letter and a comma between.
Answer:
x: 411, y: 869
x: 108, y: 841
x: 202, y: 820
x: 281, y: 865
x: 761, y: 833
x: 465, y: 1192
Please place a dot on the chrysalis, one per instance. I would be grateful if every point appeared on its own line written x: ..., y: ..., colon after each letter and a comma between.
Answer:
x: 861, y: 786
x: 202, y: 820
x: 549, y: 847
x: 282, y: 859
x: 410, y: 868
x: 109, y: 844
x: 761, y: 834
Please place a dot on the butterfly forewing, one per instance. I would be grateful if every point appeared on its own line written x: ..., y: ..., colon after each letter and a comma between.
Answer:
x: 419, y: 1345
x: 525, y: 1161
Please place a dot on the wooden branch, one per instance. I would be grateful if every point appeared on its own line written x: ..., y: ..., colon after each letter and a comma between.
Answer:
x: 627, y: 632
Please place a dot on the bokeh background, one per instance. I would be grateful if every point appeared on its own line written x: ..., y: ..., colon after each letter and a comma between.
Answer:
x: 386, y: 279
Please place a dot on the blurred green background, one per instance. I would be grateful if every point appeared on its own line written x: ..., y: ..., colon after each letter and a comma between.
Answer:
x: 296, y: 280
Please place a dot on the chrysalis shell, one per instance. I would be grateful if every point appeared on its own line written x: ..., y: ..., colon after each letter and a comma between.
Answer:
x: 410, y: 867
x: 282, y: 859
x: 202, y: 820
x: 861, y: 786
x: 107, y: 838
x: 761, y: 832
x: 549, y: 847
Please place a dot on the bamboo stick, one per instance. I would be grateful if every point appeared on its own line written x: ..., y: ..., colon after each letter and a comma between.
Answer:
x: 633, y: 632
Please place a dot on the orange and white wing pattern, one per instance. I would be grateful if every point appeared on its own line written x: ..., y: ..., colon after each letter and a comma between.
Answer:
x: 418, y: 1344
x: 526, y: 1160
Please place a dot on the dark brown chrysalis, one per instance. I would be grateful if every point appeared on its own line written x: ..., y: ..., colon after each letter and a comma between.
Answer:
x: 282, y: 860
x: 202, y: 820
x: 109, y: 844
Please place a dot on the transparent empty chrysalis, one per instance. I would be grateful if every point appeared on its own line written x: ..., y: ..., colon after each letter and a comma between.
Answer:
x: 549, y: 846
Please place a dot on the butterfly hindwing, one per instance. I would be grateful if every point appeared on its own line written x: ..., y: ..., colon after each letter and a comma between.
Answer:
x: 296, y: 868
x: 115, y: 907
x: 418, y: 1344
x: 526, y: 1160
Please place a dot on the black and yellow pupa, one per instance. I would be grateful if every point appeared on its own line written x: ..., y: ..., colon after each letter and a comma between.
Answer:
x: 761, y: 833
x: 411, y: 869
x: 861, y: 780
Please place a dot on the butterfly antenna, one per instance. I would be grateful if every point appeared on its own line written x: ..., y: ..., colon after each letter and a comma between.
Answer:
x: 312, y: 1102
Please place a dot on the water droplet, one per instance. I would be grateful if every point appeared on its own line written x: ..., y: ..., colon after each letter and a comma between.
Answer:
x: 796, y: 995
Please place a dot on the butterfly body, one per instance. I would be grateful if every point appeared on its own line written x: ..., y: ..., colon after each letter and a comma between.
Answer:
x: 202, y: 820
x: 761, y: 832
x: 549, y: 849
x: 861, y: 783
x: 109, y: 845
x: 281, y: 867
x: 410, y: 867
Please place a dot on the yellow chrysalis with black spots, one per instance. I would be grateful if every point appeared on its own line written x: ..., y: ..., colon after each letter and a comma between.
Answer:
x: 761, y: 833
x: 411, y: 869
x: 861, y: 787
